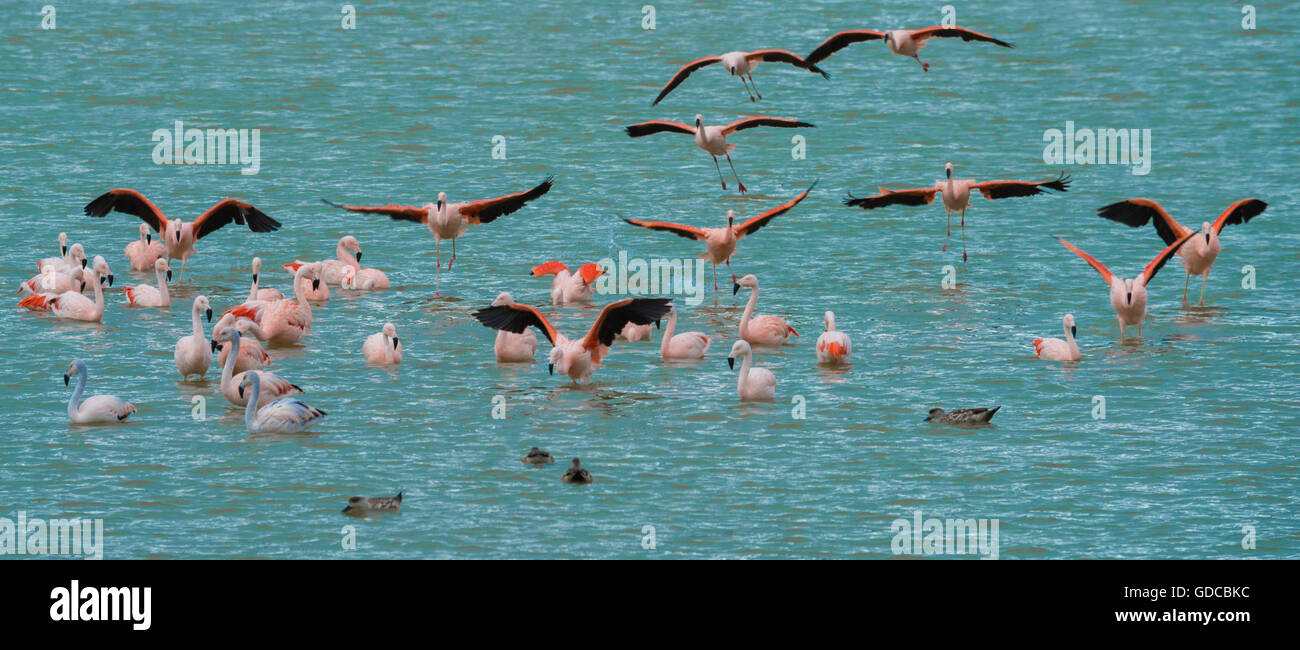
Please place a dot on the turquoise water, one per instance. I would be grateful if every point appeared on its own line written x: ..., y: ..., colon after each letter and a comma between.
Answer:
x: 1199, y: 437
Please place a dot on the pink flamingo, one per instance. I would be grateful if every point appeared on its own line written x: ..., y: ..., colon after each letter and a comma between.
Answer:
x: 315, y: 291
x: 738, y: 64
x: 254, y: 293
x: 753, y: 383
x: 193, y: 354
x: 633, y: 333
x: 713, y: 139
x: 143, y: 252
x: 61, y: 260
x: 833, y: 346
x: 509, y: 346
x: 903, y: 42
x: 347, y: 254
x: 51, y: 280
x: 568, y: 287
x: 252, y: 356
x: 383, y: 348
x: 71, y: 304
x: 760, y: 330
x: 273, y: 386
x: 687, y: 345
x: 1128, y: 297
x: 1066, y: 349
x: 363, y: 279
x: 282, y: 321
x: 143, y: 295
x: 97, y: 409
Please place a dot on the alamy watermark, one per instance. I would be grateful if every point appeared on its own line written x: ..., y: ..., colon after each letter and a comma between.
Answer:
x: 182, y: 146
x: 1099, y: 147
x: 936, y: 536
x: 36, y: 536
x: 656, y: 277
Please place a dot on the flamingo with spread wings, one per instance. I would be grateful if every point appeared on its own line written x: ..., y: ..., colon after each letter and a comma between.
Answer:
x: 568, y: 287
x: 1128, y: 296
x: 738, y: 64
x: 902, y: 42
x: 713, y: 139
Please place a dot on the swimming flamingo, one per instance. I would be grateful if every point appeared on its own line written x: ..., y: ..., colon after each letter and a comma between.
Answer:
x: 509, y: 346
x: 1198, y: 253
x: 276, y: 386
x: 1058, y: 349
x: 315, y: 291
x: 956, y: 196
x: 142, y: 252
x: 760, y: 330
x: 384, y: 348
x: 256, y: 293
x: 577, y: 358
x: 282, y: 321
x: 713, y: 139
x: 753, y: 383
x: 284, y: 415
x: 143, y: 295
x: 738, y: 64
x: 51, y: 280
x: 1129, y: 296
x: 178, y: 236
x: 363, y: 279
x: 687, y: 345
x: 569, y: 287
x: 98, y: 409
x: 720, y: 243
x: 833, y: 346
x: 105, y: 273
x: 193, y: 353
x: 252, y: 356
x: 347, y: 254
x: 451, y: 220
x: 902, y: 42
x: 62, y: 259
x: 70, y: 304
x: 633, y: 332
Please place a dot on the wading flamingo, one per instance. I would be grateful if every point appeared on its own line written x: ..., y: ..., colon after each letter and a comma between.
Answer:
x: 255, y: 293
x: 71, y: 304
x: 281, y: 321
x: 713, y: 139
x: 509, y: 346
x: 738, y: 64
x: 193, y: 353
x: 383, y: 348
x: 720, y: 243
x: 97, y: 409
x: 753, y: 383
x: 1058, y: 349
x: 363, y: 279
x: 577, y: 474
x: 451, y: 220
x: 687, y: 345
x: 313, y: 290
x: 105, y: 273
x: 956, y: 196
x: 143, y: 295
x: 346, y: 255
x: 178, y: 236
x: 252, y: 356
x: 62, y: 260
x: 902, y: 42
x: 143, y: 252
x: 275, y: 385
x: 833, y: 346
x: 1129, y: 296
x: 760, y: 330
x: 576, y: 358
x: 1198, y: 253
x: 569, y: 287
x: 284, y: 415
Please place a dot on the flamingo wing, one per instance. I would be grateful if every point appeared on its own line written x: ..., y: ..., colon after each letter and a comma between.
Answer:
x: 231, y: 210
x: 753, y: 224
x: 689, y: 232
x: 514, y: 317
x: 956, y: 32
x: 1008, y: 189
x: 1149, y: 273
x: 488, y: 210
x: 402, y: 212
x: 657, y: 126
x: 917, y: 196
x: 786, y: 56
x: 840, y: 41
x: 130, y: 202
x: 289, y: 411
x: 763, y: 120
x: 682, y: 74
x: 1239, y: 212
x: 1137, y: 212
x: 1101, y: 268
x: 615, y: 315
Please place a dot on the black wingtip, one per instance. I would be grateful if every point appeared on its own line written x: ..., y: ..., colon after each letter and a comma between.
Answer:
x: 331, y: 203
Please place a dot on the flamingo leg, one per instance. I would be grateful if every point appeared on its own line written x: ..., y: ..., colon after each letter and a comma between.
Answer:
x: 755, y: 87
x: 963, y: 234
x: 733, y: 273
x: 925, y: 67
x: 733, y: 171
x: 183, y: 261
x: 1203, y: 279
x: 437, y: 274
x: 715, y: 277
x: 747, y: 91
x: 453, y: 255
x: 719, y: 167
x: 945, y: 239
x: 1187, y: 281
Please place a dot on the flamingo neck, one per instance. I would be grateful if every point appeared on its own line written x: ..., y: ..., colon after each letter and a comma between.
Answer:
x: 162, y: 285
x: 345, y: 256
x: 99, y: 296
x: 255, y: 392
x: 668, y: 333
x: 252, y: 291
x: 73, y: 411
x: 228, y: 369
x: 749, y: 312
x: 744, y: 371
x: 198, y: 323
x: 298, y: 294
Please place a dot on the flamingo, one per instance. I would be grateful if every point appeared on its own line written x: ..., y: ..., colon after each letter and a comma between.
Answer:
x: 252, y: 356
x: 363, y: 279
x: 276, y: 386
x: 255, y: 293
x: 687, y: 345
x: 71, y: 305
x: 143, y: 252
x: 568, y: 287
x: 577, y: 474
x: 281, y: 321
x: 509, y: 346
x: 713, y: 139
x: 178, y: 236
x: 105, y: 273
x: 61, y: 260
x: 451, y: 220
x: 633, y: 332
x: 284, y: 415
x: 577, y: 358
x: 760, y: 330
x: 753, y: 383
x: 384, y: 348
x: 97, y: 409
x: 833, y: 346
x: 720, y: 243
x: 902, y: 42
x: 193, y: 354
x: 1129, y: 296
x: 1198, y: 253
x: 738, y: 64
x: 1058, y: 349
x: 347, y: 254
x: 956, y: 196
x: 314, y: 291
x: 51, y: 280
x: 143, y: 295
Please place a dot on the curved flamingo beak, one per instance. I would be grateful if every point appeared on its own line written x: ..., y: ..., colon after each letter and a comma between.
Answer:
x: 215, y: 345
x: 731, y: 363
x: 148, y: 238
x: 83, y: 264
x: 395, y: 342
x: 315, y: 284
x: 241, y: 391
x: 65, y: 379
x: 254, y: 277
x: 169, y: 276
x: 209, y: 314
x: 735, y: 288
x: 1074, y: 332
x: 63, y: 250
x: 550, y: 368
x: 358, y: 257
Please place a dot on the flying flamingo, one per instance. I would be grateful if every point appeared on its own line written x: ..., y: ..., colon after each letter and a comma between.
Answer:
x: 451, y: 220
x: 284, y: 415
x: 568, y: 287
x: 833, y: 346
x: 252, y: 356
x: 760, y: 330
x: 687, y: 345
x: 956, y: 196
x: 720, y: 243
x: 738, y: 64
x: 143, y: 295
x: 193, y: 354
x: 384, y: 348
x: 1129, y: 296
x: 70, y: 304
x: 276, y: 386
x: 713, y: 139
x: 363, y: 279
x: 282, y: 321
x: 753, y: 383
x: 314, y: 291
x: 577, y: 358
x: 256, y: 293
x: 1058, y: 349
x: 1198, y: 253
x: 98, y: 409
x: 347, y: 254
x: 142, y: 252
x: 61, y: 260
x: 178, y: 236
x: 902, y: 42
